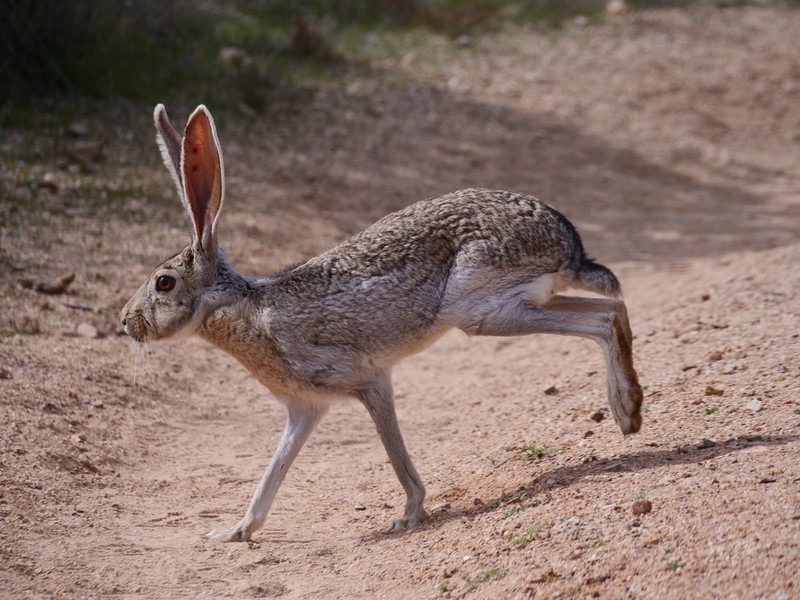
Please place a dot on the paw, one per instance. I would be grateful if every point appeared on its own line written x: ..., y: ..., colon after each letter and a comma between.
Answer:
x: 631, y: 420
x: 235, y: 534
x: 408, y: 521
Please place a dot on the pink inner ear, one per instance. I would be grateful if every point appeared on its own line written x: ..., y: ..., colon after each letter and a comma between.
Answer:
x: 200, y: 171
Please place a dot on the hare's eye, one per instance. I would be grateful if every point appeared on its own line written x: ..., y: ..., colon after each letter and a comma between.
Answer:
x: 165, y: 283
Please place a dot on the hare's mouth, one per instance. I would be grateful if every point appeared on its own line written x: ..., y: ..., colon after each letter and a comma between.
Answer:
x: 137, y: 327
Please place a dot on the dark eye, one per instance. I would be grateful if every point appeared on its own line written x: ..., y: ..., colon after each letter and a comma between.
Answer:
x: 165, y: 283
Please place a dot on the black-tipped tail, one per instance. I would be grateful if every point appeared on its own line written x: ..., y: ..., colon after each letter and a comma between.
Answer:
x: 597, y: 278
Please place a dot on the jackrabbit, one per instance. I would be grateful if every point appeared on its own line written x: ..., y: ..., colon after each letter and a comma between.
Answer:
x: 486, y: 262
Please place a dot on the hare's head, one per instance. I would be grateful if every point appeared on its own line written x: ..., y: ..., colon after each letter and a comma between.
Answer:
x: 177, y: 296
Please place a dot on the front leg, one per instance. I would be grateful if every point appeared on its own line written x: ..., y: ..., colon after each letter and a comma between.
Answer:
x: 301, y: 423
x: 379, y: 400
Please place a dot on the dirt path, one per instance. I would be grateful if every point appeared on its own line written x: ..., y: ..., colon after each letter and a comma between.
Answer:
x: 671, y: 139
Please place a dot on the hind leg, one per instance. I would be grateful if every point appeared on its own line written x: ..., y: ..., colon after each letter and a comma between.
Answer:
x: 601, y: 320
x: 598, y: 305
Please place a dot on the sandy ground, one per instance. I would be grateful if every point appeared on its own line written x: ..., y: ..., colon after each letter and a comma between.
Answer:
x: 671, y: 139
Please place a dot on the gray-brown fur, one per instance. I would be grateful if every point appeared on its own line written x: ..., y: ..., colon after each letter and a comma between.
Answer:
x: 487, y: 262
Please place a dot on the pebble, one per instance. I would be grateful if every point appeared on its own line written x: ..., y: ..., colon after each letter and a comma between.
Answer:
x: 49, y: 182
x: 615, y: 8
x: 57, y: 286
x: 754, y: 405
x: 597, y: 416
x: 551, y: 391
x: 641, y: 507
x: 86, y: 330
x: 5, y: 374
x: 78, y: 129
x: 712, y: 391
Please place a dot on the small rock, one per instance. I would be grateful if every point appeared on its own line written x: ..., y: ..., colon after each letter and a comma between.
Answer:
x: 641, y: 507
x: 87, y: 154
x: 86, y: 330
x: 581, y: 21
x: 360, y: 507
x: 652, y: 541
x: 712, y: 391
x: 754, y: 405
x: 589, y: 433
x: 77, y: 439
x: 551, y: 391
x: 465, y: 41
x: 87, y: 463
x: 5, y: 374
x: 57, y: 286
x: 48, y: 182
x: 706, y: 443
x: 615, y: 8
x: 443, y: 507
x: 730, y: 368
x: 597, y: 416
x: 78, y: 129
x: 715, y: 356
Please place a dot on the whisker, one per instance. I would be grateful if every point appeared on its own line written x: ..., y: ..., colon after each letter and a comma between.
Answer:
x: 141, y: 364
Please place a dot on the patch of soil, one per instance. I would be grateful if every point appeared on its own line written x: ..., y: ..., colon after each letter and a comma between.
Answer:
x: 669, y: 137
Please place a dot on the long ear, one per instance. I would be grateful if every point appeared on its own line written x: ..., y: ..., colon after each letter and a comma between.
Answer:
x: 169, y: 142
x: 203, y: 178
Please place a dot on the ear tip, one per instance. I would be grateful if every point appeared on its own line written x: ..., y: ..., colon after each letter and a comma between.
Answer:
x: 202, y: 110
x: 160, y: 114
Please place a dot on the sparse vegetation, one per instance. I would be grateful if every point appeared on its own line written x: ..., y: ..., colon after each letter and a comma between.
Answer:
x: 470, y: 581
x: 247, y: 55
x: 674, y: 565
x: 526, y: 537
x: 518, y: 508
x: 445, y: 586
x: 711, y: 410
x: 533, y: 452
